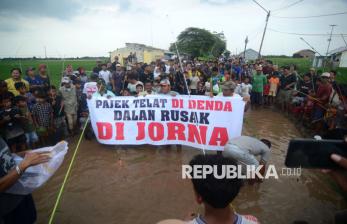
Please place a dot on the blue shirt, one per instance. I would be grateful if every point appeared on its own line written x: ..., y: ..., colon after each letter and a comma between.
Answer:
x: 33, y: 81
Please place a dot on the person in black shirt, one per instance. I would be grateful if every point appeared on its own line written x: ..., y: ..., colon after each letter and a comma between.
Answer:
x: 118, y: 79
x: 146, y: 75
x: 287, y: 84
x: 59, y: 122
x: 304, y: 88
x: 14, y: 208
x: 97, y: 68
x: 11, y: 126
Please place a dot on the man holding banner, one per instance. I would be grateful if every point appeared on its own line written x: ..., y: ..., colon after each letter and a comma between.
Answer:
x: 165, y: 88
x: 102, y: 91
x: 197, y: 121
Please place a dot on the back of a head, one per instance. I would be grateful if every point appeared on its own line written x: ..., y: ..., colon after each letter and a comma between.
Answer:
x: 218, y: 193
x: 19, y: 85
x: 266, y: 142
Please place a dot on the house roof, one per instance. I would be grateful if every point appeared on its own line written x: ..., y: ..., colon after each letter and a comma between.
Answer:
x: 249, y: 50
x: 338, y: 50
x: 145, y: 46
x: 298, y: 52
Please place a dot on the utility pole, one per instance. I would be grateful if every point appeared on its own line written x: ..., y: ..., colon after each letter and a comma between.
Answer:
x: 45, y: 53
x: 262, y: 39
x: 244, y: 52
x: 268, y: 12
x: 110, y: 53
x: 329, y: 40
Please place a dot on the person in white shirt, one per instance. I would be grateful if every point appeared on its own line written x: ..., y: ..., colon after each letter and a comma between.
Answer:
x: 194, y: 79
x: 246, y: 87
x: 133, y: 82
x: 148, y: 89
x: 106, y: 76
x: 228, y: 90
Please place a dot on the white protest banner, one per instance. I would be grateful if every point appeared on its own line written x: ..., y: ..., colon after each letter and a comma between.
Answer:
x: 35, y: 176
x: 198, y: 121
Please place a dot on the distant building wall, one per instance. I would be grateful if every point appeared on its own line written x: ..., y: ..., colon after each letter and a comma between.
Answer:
x: 143, y: 53
x: 343, y: 60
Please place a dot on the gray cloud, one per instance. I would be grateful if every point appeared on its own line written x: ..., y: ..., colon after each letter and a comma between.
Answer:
x: 61, y: 9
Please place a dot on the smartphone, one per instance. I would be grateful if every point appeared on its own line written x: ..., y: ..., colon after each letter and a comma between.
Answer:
x: 311, y: 153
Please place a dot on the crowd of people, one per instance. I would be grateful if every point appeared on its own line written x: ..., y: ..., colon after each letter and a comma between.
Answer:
x: 35, y: 113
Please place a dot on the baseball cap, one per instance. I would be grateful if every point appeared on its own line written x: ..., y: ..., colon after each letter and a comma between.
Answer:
x: 118, y: 65
x: 228, y: 85
x: 325, y: 75
x: 65, y: 80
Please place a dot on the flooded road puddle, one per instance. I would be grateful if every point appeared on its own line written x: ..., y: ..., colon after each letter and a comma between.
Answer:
x: 143, y: 184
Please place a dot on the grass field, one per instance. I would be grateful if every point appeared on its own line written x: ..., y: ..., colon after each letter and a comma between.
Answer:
x: 55, y: 67
x: 304, y: 64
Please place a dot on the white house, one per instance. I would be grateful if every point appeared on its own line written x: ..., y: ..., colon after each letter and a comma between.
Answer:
x: 250, y: 54
x: 338, y: 57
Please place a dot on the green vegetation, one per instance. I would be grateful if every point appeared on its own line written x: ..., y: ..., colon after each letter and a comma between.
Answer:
x: 198, y: 42
x: 304, y: 64
x: 55, y: 67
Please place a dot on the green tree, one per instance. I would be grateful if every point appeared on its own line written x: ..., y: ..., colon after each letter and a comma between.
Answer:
x: 226, y: 53
x: 199, y: 43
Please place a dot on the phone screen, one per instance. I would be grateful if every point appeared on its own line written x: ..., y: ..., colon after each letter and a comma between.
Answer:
x: 310, y: 153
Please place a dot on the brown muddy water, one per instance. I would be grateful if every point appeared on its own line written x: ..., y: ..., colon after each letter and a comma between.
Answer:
x: 142, y: 184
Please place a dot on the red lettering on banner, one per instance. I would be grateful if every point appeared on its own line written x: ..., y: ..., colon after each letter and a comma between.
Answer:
x: 120, y: 131
x: 215, y: 105
x: 209, y: 105
x: 200, y: 104
x: 191, y: 104
x: 227, y: 106
x: 218, y: 105
x: 219, y: 135
x: 195, y: 135
x: 177, y: 103
x: 176, y: 131
x: 158, y: 128
x: 140, y: 130
x: 104, y: 130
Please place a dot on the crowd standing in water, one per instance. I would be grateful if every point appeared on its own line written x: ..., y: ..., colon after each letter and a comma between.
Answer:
x: 34, y: 113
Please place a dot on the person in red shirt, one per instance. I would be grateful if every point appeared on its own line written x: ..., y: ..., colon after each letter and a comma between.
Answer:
x: 321, y: 100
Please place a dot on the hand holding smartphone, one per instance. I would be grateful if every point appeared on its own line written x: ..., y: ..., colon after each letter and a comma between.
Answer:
x: 311, y: 153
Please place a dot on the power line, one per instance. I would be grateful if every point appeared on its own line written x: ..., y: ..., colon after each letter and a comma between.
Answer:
x: 288, y: 6
x: 307, y: 17
x: 306, y: 34
x: 267, y: 11
x: 310, y: 46
x: 344, y: 40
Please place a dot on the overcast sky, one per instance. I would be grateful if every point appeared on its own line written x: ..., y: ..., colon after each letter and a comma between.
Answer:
x: 93, y: 28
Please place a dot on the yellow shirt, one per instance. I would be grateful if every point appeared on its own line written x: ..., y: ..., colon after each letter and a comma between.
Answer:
x: 10, y: 85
